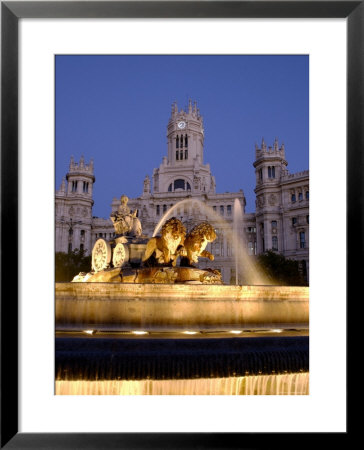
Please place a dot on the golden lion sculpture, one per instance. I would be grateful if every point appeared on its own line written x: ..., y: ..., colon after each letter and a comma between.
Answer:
x: 169, y: 246
x: 196, y: 241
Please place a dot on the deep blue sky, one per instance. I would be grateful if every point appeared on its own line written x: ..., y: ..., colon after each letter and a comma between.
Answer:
x: 115, y: 109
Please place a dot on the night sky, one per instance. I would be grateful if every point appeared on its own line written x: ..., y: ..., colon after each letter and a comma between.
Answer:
x: 115, y: 109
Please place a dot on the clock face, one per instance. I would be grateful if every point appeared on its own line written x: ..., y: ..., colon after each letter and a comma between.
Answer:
x: 181, y: 125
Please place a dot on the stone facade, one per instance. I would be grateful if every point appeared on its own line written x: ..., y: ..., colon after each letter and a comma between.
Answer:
x: 76, y: 228
x: 282, y: 206
x: 185, y: 183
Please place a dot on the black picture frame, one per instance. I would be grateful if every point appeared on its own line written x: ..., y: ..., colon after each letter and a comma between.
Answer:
x: 11, y: 12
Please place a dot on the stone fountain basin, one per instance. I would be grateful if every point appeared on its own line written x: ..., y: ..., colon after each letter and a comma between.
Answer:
x: 174, y: 307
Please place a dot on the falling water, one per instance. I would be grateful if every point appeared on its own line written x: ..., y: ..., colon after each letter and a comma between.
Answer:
x: 251, y: 274
x: 276, y: 384
x: 237, y: 225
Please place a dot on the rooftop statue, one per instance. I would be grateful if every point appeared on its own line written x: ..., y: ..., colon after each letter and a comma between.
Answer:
x: 126, y: 222
x: 169, y: 246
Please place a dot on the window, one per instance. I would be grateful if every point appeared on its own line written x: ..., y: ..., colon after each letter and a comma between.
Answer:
x: 307, y: 195
x: 294, y: 221
x: 250, y: 248
x: 81, y: 248
x: 274, y: 224
x: 181, y: 154
x: 170, y: 188
x: 300, y: 196
x: 85, y: 187
x: 188, y: 186
x: 158, y: 210
x: 177, y: 155
x: 271, y: 172
x: 177, y: 142
x: 179, y: 184
x: 293, y: 198
x: 308, y: 219
x: 70, y: 232
x: 302, y: 239
x: 74, y: 186
x: 186, y: 154
x: 82, y: 232
x: 274, y: 243
x: 186, y: 140
x: 228, y: 210
x: 69, y: 247
x: 260, y: 174
x: 164, y: 208
x: 222, y: 210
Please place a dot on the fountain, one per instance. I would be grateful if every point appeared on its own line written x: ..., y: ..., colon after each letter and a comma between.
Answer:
x: 140, y: 323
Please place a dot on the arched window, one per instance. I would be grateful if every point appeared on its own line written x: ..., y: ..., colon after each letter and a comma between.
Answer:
x: 177, y: 142
x: 186, y: 153
x: 177, y: 155
x: 188, y: 186
x: 181, y: 154
x: 186, y: 141
x: 170, y: 188
x: 179, y: 184
x: 269, y: 172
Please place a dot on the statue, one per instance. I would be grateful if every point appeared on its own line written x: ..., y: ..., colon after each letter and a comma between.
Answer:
x: 125, y: 221
x: 169, y: 246
x: 196, y: 241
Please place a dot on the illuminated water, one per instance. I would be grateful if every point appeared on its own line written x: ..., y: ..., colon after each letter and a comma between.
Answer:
x: 249, y: 272
x: 284, y: 384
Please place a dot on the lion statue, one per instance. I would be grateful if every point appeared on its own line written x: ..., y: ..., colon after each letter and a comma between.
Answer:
x: 196, y: 241
x: 169, y: 246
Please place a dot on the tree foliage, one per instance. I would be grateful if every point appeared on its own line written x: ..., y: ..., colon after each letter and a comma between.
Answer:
x: 281, y: 270
x: 71, y: 264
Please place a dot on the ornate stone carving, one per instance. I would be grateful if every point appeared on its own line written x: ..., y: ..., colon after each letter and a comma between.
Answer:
x: 119, y: 255
x: 169, y: 246
x: 272, y: 199
x: 211, y: 277
x: 101, y: 255
x: 197, y: 241
x: 125, y: 221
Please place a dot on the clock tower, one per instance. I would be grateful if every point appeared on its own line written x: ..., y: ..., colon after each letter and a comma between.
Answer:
x: 183, y: 168
x: 185, y: 136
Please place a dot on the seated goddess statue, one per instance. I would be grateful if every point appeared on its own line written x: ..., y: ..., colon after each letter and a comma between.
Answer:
x: 125, y: 221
